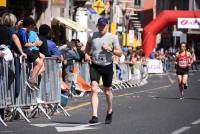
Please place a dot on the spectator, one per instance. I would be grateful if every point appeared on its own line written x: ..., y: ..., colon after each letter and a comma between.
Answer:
x: 194, y: 61
x: 152, y: 54
x: 11, y: 40
x: 30, y: 42
x: 80, y: 49
x: 45, y: 32
x: 71, y: 55
x: 9, y: 20
x: 1, y: 54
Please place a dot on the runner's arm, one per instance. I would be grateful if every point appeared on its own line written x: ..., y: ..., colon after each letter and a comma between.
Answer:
x: 190, y: 58
x: 117, y: 51
x: 116, y: 47
x: 87, y: 52
x: 176, y: 58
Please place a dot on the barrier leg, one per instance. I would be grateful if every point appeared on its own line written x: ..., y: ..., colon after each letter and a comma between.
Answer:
x: 114, y: 87
x: 40, y: 107
x: 43, y: 110
x: 18, y: 109
x: 63, y: 110
x: 1, y: 120
x: 119, y: 86
x: 54, y: 109
x: 33, y: 112
x: 58, y: 106
x: 128, y: 85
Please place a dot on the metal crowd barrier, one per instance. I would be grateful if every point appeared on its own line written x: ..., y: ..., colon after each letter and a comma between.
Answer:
x: 84, y: 71
x: 131, y: 75
x: 49, y: 93
x: 3, y: 86
x: 50, y: 85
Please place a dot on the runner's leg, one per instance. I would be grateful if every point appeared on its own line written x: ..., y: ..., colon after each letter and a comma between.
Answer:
x: 185, y: 79
x: 94, y: 98
x: 109, y: 98
x: 180, y: 83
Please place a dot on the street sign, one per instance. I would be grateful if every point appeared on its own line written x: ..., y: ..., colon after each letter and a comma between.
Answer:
x: 3, y: 3
x: 99, y: 6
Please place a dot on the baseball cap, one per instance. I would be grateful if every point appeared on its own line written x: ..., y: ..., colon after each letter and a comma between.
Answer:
x: 102, y: 21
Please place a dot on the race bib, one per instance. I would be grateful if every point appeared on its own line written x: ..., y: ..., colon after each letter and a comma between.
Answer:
x: 183, y: 63
x: 99, y: 58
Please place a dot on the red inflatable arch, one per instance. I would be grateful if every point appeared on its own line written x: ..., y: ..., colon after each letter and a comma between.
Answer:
x: 164, y: 19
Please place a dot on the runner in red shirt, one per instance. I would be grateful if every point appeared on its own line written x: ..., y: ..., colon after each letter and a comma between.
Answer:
x: 183, y: 62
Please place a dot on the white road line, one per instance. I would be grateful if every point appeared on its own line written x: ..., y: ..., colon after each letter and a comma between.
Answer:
x: 196, y: 122
x: 78, y: 128
x: 170, y: 78
x: 181, y: 130
x: 127, y: 94
x: 6, y: 131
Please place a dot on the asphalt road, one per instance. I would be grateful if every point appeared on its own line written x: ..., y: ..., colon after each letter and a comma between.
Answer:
x: 151, y: 109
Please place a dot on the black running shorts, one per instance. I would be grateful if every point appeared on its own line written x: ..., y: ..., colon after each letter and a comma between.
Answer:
x: 182, y: 71
x: 106, y: 72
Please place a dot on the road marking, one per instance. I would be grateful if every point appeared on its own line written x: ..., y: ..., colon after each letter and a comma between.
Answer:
x: 154, y: 89
x: 181, y: 130
x: 48, y: 124
x: 7, y: 131
x: 127, y: 94
x: 77, y: 128
x: 78, y: 106
x: 63, y: 127
x: 196, y: 122
x: 170, y: 79
x: 198, y: 80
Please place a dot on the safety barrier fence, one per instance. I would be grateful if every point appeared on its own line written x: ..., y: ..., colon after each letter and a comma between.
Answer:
x: 16, y: 96
x: 49, y: 95
x: 125, y: 75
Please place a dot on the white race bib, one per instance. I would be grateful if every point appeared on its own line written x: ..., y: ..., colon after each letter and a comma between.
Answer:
x: 99, y: 58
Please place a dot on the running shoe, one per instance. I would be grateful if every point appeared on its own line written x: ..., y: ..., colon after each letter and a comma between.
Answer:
x: 39, y: 100
x: 185, y: 86
x: 109, y: 118
x: 94, y: 120
x: 182, y: 95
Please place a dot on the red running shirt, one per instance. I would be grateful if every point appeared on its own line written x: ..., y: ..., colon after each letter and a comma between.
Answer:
x: 183, y: 60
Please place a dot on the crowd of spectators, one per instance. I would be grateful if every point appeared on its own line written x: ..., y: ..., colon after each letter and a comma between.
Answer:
x: 24, y: 39
x: 131, y: 57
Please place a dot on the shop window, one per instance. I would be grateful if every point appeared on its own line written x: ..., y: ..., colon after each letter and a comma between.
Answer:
x: 197, y: 4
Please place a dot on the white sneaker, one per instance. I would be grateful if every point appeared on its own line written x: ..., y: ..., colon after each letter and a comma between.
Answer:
x: 38, y: 100
x: 182, y: 95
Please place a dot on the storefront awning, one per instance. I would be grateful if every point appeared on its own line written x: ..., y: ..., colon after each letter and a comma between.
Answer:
x: 70, y: 24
